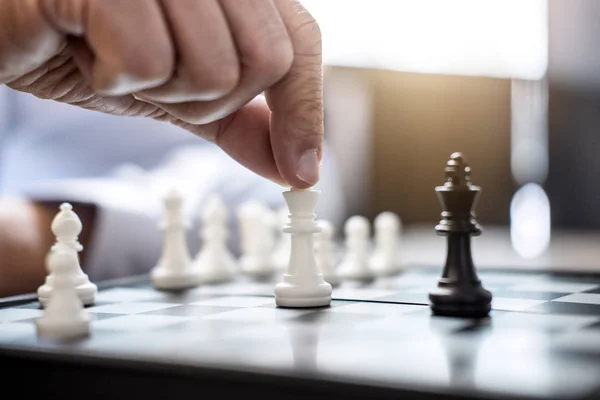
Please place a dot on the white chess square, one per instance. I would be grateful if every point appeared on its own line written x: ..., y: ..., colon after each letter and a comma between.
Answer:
x: 130, y: 307
x: 384, y: 309
x: 235, y: 301
x: 16, y: 330
x: 510, y: 304
x: 18, y: 314
x: 583, y: 298
x: 258, y: 314
x: 139, y: 322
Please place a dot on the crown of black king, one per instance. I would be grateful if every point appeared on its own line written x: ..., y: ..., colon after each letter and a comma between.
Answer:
x: 458, y: 198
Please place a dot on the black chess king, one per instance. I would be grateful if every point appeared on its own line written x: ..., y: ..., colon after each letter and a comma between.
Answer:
x: 459, y: 292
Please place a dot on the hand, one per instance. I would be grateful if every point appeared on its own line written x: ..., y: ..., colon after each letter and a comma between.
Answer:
x: 26, y: 238
x: 199, y: 64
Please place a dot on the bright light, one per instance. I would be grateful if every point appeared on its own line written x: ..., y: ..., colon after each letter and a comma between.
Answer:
x: 497, y: 38
x: 530, y: 221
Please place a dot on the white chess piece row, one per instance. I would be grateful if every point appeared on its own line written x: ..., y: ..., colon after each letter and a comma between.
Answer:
x: 177, y: 269
x: 359, y: 263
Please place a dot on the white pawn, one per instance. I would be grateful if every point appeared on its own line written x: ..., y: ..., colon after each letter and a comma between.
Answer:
x: 324, y: 253
x: 65, y: 317
x: 66, y: 227
x: 385, y: 260
x: 214, y: 261
x: 173, y: 270
x: 257, y: 239
x: 355, y: 265
x: 303, y: 284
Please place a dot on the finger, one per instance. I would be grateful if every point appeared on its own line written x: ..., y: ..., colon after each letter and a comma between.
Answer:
x: 207, y: 63
x: 296, y: 101
x: 265, y: 53
x: 129, y: 41
x: 244, y: 135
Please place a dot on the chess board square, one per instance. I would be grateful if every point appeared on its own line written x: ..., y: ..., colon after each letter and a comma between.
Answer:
x: 583, y: 298
x: 190, y: 310
x: 384, y: 309
x: 360, y: 293
x: 260, y: 315
x: 124, y: 295
x: 235, y: 301
x: 523, y: 294
x: 551, y: 323
x: 562, y: 307
x: 553, y: 286
x: 403, y: 297
x: 139, y: 322
x: 586, y: 341
x: 18, y: 314
x: 510, y: 304
x: 16, y: 330
x: 333, y: 318
x: 130, y: 307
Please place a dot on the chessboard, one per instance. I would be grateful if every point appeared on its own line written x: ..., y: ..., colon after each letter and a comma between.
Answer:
x: 375, y: 340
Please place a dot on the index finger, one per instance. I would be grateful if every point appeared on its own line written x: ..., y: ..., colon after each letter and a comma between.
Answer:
x: 296, y: 101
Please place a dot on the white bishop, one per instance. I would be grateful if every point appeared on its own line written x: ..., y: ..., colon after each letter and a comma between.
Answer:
x: 67, y: 227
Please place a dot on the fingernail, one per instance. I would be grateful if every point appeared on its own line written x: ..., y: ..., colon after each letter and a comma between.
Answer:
x: 308, y: 167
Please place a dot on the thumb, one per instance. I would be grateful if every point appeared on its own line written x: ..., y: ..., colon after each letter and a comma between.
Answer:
x: 296, y: 101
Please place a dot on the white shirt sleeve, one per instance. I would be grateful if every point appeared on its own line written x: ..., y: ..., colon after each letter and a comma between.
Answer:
x: 126, y: 239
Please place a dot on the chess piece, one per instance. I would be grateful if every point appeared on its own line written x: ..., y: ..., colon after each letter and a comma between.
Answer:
x: 459, y: 292
x: 173, y: 270
x: 64, y: 316
x: 385, y: 260
x: 281, y: 254
x: 214, y: 261
x: 355, y: 264
x: 257, y: 240
x: 66, y: 227
x: 324, y: 253
x: 303, y: 284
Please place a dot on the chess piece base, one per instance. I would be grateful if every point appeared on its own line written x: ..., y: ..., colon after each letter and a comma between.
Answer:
x: 291, y: 295
x: 454, y: 301
x: 86, y: 291
x: 67, y: 330
x: 163, y: 279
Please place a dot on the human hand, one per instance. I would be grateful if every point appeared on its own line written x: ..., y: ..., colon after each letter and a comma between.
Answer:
x: 198, y: 64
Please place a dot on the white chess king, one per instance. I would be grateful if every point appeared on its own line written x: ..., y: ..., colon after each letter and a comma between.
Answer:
x: 67, y: 227
x: 302, y: 284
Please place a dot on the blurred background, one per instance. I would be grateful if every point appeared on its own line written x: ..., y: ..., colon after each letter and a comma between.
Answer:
x: 514, y: 85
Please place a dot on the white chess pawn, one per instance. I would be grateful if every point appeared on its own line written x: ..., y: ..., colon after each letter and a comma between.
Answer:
x: 385, y: 260
x: 324, y: 253
x: 214, y: 261
x: 303, y: 284
x: 173, y: 270
x: 65, y: 317
x: 355, y: 264
x: 66, y: 227
x: 257, y: 240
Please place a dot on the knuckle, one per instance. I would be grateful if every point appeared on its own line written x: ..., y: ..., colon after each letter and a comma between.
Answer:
x: 271, y: 56
x: 216, y: 81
